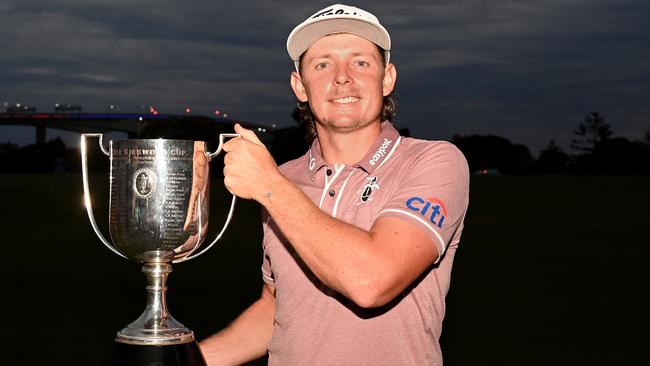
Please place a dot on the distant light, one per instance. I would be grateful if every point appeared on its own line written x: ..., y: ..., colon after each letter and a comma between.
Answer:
x: 217, y: 112
x: 56, y: 105
x: 187, y: 110
x: 225, y: 115
x: 139, y: 118
x: 155, y: 112
x: 18, y: 105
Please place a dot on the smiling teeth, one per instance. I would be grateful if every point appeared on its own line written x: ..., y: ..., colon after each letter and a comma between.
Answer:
x: 346, y: 100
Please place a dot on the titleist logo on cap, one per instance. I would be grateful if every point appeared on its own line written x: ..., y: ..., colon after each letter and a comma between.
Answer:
x: 343, y: 10
x: 331, y: 11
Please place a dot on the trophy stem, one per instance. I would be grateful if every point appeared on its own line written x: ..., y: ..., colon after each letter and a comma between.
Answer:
x: 156, y: 326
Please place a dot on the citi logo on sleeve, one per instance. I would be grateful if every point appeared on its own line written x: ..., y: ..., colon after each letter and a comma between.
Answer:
x: 433, y: 208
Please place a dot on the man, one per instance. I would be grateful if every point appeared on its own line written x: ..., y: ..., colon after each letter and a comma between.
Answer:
x: 361, y: 231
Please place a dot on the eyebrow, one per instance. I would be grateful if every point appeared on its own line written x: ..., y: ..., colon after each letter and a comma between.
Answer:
x: 327, y: 55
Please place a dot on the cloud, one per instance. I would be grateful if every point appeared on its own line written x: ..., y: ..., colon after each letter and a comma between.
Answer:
x: 528, y: 70
x: 35, y: 71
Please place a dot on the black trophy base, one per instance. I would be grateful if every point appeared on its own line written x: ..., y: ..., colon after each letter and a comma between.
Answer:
x: 186, y: 354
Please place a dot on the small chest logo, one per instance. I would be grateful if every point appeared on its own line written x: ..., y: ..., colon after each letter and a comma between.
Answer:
x: 366, y: 191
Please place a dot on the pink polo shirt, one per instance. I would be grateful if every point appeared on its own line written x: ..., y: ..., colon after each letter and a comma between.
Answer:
x: 423, y: 182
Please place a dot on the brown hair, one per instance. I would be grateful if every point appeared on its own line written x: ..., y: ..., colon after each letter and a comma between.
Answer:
x: 304, y: 116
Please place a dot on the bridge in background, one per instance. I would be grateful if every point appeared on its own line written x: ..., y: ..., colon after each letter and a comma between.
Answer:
x: 132, y: 124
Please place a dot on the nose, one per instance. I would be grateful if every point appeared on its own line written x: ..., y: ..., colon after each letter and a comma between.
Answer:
x: 342, y: 75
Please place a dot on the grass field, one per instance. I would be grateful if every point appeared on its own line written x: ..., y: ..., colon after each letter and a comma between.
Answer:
x: 551, y: 271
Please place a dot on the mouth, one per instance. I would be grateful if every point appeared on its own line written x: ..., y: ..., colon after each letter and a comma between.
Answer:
x: 345, y: 100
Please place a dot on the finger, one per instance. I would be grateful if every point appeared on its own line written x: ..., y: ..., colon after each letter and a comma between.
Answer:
x: 230, y: 145
x: 227, y: 182
x: 247, y: 134
x: 227, y: 159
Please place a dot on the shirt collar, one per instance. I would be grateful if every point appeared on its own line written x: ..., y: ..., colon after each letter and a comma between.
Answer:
x: 315, y: 159
x: 379, y: 151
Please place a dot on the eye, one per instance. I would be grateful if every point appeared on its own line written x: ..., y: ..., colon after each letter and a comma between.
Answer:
x: 321, y: 66
x: 361, y: 63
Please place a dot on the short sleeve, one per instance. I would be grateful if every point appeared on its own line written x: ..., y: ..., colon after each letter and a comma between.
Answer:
x: 267, y: 272
x: 433, y: 192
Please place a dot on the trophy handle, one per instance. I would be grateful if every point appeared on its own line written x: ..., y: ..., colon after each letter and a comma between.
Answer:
x: 87, y: 200
x: 222, y: 136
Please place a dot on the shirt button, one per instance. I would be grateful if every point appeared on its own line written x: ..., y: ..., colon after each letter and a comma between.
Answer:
x: 332, y: 193
x: 328, y: 172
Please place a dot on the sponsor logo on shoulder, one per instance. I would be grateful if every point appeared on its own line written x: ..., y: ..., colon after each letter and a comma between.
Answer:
x: 432, y: 208
x: 381, y: 152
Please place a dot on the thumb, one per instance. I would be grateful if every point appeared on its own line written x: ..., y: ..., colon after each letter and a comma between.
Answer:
x: 247, y: 134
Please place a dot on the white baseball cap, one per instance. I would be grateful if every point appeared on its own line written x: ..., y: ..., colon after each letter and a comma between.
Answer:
x: 334, y: 19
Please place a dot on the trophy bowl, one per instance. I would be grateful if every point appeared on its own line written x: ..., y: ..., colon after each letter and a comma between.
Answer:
x: 159, y: 210
x: 159, y: 196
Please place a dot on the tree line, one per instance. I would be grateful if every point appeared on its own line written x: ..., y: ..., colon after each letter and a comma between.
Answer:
x: 594, y: 150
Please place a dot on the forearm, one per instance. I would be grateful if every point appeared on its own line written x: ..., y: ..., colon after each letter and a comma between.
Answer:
x: 369, y: 267
x: 246, y: 338
x: 342, y: 256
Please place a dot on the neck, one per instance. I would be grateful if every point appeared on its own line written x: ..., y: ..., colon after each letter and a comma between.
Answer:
x: 347, y: 147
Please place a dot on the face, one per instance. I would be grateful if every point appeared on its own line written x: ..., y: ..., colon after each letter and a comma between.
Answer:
x: 343, y: 79
x: 143, y: 180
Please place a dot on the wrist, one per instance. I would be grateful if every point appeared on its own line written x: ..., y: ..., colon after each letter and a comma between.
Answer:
x: 271, y: 189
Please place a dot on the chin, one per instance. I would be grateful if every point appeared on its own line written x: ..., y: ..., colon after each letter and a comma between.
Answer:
x: 345, y: 124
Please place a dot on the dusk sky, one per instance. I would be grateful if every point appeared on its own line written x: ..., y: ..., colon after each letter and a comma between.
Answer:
x: 526, y: 70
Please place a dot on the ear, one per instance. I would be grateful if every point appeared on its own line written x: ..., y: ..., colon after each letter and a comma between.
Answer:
x: 298, y: 87
x: 390, y: 77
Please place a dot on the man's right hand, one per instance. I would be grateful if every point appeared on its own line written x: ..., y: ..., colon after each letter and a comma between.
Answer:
x: 249, y: 168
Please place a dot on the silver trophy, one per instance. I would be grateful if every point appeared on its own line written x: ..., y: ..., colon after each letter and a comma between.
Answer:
x: 159, y: 195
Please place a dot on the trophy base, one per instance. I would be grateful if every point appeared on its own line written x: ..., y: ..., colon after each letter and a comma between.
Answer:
x: 185, y: 354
